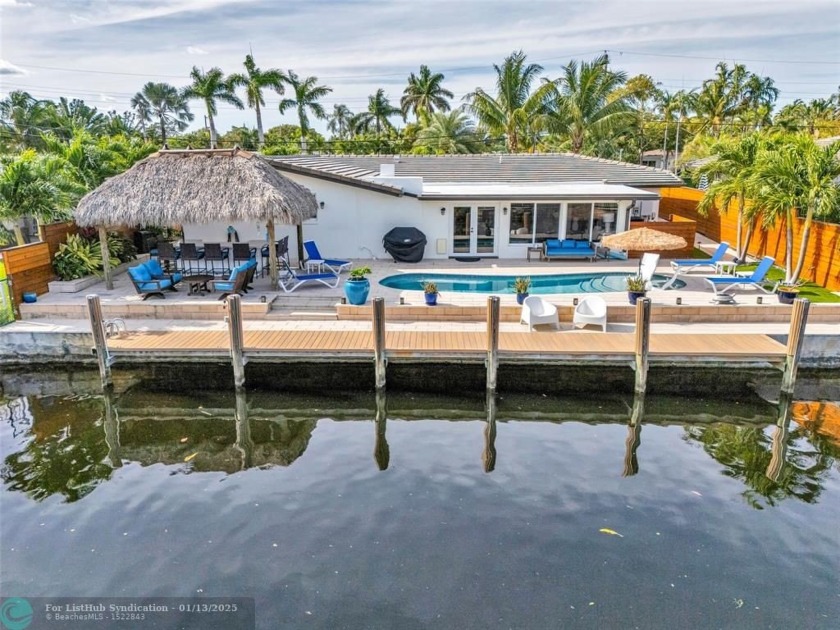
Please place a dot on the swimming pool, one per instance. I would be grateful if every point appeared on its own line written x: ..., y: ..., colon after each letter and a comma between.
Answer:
x: 553, y: 283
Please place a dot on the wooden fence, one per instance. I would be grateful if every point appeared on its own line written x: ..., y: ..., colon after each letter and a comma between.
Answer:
x: 29, y: 268
x: 677, y: 225
x: 822, y: 255
x: 55, y: 234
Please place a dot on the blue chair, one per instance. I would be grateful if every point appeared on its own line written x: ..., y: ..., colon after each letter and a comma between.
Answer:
x: 291, y: 281
x: 237, y: 282
x: 145, y: 284
x: 687, y: 265
x: 334, y: 265
x: 159, y: 274
x: 722, y: 284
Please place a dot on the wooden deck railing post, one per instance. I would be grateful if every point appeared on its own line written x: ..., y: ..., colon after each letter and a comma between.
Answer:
x: 798, y: 319
x: 492, y: 341
x: 237, y: 339
x: 642, y: 343
x: 100, y: 343
x: 106, y: 258
x: 379, y: 341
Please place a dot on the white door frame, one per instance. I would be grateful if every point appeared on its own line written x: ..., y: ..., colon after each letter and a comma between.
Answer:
x: 473, y: 232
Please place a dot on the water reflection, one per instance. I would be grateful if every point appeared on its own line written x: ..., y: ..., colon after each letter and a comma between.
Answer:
x: 634, y: 436
x: 381, y: 451
x: 488, y: 456
x: 66, y: 446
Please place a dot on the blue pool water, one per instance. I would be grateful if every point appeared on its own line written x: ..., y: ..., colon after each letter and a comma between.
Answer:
x: 554, y: 283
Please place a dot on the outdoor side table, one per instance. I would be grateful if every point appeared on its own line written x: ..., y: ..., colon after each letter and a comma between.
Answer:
x: 198, y: 283
x: 314, y: 266
x: 533, y: 249
x: 726, y: 267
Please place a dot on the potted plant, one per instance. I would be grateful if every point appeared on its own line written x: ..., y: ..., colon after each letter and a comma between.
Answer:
x: 357, y: 286
x: 636, y: 288
x: 788, y: 291
x: 431, y: 293
x: 521, y: 286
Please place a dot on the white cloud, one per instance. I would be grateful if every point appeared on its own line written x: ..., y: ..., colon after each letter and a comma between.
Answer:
x: 107, y: 99
x: 79, y: 19
x: 7, y: 67
x: 13, y: 3
x: 195, y: 50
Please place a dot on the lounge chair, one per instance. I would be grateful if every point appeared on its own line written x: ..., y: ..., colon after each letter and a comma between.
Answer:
x: 237, y: 281
x: 536, y: 310
x: 334, y: 265
x: 647, y: 267
x: 591, y: 310
x: 687, y: 265
x: 146, y: 285
x: 722, y: 284
x: 291, y: 281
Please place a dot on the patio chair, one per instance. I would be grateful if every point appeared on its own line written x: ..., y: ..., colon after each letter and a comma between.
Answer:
x: 536, y: 311
x: 158, y: 272
x: 189, y: 255
x: 647, y: 267
x: 282, y: 250
x: 168, y: 255
x: 236, y: 282
x: 334, y: 265
x: 216, y: 256
x: 722, y: 284
x: 591, y: 310
x: 243, y: 252
x: 147, y: 286
x: 291, y: 281
x: 687, y: 265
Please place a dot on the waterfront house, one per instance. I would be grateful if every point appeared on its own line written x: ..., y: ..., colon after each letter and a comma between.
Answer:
x: 493, y: 205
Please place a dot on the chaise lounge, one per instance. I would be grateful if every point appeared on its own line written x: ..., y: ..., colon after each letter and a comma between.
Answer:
x: 567, y: 248
x: 292, y: 281
x: 722, y: 284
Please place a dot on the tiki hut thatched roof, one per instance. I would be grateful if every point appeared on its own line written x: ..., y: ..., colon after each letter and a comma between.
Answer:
x: 644, y: 239
x: 197, y: 186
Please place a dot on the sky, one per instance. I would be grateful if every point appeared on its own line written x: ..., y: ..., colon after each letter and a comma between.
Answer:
x: 103, y: 51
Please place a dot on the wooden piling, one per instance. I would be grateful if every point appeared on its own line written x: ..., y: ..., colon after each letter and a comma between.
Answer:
x: 634, y: 436
x: 796, y: 334
x: 244, y: 443
x: 379, y: 341
x: 492, y: 341
x: 237, y: 342
x: 100, y: 343
x: 488, y: 455
x: 381, y: 450
x: 111, y: 424
x: 642, y: 343
x: 272, y: 255
x: 106, y: 258
x: 778, y: 450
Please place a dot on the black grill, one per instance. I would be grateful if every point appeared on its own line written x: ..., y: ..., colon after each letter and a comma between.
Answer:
x: 405, y: 244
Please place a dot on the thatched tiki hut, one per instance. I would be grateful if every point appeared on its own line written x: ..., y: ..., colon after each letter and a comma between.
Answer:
x: 196, y: 186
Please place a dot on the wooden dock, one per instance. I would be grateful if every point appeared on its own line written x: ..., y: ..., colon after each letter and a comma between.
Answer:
x: 331, y: 345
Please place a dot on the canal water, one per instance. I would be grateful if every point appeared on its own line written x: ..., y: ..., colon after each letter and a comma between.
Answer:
x: 414, y: 511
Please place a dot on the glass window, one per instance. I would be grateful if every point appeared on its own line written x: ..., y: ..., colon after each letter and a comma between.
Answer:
x: 578, y: 218
x: 604, y: 220
x: 521, y: 223
x: 547, y: 222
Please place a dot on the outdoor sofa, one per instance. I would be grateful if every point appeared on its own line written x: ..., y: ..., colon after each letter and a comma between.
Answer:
x: 568, y: 248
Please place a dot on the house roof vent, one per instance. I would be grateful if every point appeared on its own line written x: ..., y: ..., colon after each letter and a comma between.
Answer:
x: 387, y: 170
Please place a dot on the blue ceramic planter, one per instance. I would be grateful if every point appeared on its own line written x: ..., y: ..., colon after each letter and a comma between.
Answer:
x: 431, y: 299
x: 635, y: 295
x: 357, y: 291
x: 520, y: 297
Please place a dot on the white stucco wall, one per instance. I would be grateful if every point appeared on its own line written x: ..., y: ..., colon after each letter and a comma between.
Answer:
x: 354, y: 220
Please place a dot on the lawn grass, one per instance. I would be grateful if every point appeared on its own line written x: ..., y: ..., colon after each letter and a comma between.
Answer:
x: 813, y: 292
x: 700, y: 253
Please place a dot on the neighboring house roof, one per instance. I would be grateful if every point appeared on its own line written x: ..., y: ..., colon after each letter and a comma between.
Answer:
x: 577, y: 190
x: 546, y: 168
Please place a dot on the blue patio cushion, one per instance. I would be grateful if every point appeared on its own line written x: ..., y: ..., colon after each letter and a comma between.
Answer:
x: 235, y: 271
x: 157, y: 285
x: 154, y: 267
x: 223, y: 285
x: 552, y: 243
x: 582, y: 244
x: 140, y: 273
x: 567, y: 243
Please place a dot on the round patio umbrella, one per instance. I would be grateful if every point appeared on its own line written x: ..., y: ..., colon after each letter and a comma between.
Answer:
x: 644, y: 240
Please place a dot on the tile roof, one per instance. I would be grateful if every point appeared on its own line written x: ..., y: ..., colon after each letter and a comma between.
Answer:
x: 497, y: 168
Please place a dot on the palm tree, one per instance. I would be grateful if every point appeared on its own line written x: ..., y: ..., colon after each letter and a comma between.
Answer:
x: 255, y: 81
x: 513, y: 110
x: 375, y: 119
x: 37, y: 186
x: 339, y: 120
x: 212, y: 86
x: 587, y: 100
x: 307, y: 92
x: 142, y: 111
x: 424, y: 94
x: 164, y: 102
x: 731, y: 174
x: 66, y: 117
x: 452, y: 132
x: 23, y: 118
x: 797, y: 177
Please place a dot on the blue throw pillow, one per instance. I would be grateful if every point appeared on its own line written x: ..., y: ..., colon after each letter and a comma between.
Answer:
x: 154, y: 268
x: 140, y: 273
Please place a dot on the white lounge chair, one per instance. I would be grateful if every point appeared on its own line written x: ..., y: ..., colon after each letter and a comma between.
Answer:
x: 591, y: 310
x: 536, y: 310
x: 681, y: 266
x: 647, y: 267
x: 291, y: 281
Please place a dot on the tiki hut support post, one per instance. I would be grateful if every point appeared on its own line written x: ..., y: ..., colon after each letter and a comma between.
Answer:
x: 106, y: 257
x: 272, y: 254
x: 300, y: 244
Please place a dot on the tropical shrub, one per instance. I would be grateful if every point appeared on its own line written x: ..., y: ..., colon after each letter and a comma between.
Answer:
x: 77, y: 258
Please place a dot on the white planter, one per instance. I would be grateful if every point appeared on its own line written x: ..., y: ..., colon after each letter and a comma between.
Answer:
x: 74, y: 286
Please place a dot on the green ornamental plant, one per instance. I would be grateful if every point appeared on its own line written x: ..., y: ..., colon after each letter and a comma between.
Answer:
x: 359, y: 273
x: 521, y: 285
x: 636, y: 284
x: 77, y: 258
x: 430, y: 288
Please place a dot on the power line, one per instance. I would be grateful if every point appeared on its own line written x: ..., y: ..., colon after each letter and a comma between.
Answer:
x: 797, y: 61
